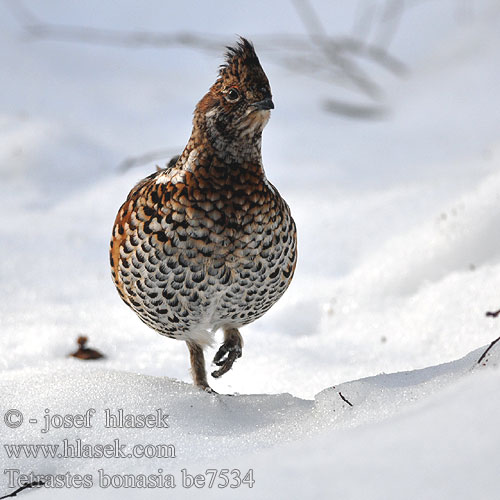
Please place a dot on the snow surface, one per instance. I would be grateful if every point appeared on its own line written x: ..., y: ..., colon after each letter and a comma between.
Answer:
x: 405, y: 433
x: 398, y: 258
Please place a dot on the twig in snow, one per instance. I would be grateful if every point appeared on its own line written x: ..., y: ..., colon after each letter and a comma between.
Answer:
x: 85, y: 352
x: 23, y: 487
x: 487, y: 350
x: 345, y: 399
x: 493, y: 314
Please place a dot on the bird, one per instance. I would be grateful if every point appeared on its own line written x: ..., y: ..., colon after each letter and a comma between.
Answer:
x: 208, y: 243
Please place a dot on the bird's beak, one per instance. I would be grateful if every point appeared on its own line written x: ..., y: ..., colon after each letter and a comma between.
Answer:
x: 266, y: 103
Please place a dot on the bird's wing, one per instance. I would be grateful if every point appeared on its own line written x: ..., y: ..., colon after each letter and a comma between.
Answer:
x: 146, y: 210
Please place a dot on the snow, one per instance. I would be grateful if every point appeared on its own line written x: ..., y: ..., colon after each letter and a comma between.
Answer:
x: 414, y: 430
x: 398, y: 260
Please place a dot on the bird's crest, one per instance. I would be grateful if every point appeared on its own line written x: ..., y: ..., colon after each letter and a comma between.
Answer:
x: 240, y: 60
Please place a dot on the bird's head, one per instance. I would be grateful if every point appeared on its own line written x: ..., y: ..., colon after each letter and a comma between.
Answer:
x: 237, y: 107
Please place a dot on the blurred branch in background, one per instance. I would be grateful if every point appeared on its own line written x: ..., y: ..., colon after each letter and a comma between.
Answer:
x: 344, y: 55
x: 349, y: 62
x: 150, y: 156
x: 335, y: 59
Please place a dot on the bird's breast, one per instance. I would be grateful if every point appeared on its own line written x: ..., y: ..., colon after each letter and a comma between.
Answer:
x: 221, y: 214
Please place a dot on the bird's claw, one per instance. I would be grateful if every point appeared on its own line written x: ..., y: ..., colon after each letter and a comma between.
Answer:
x: 209, y: 390
x: 225, y: 358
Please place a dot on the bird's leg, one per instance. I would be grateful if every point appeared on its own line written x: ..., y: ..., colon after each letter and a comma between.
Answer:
x: 198, y: 366
x: 228, y: 352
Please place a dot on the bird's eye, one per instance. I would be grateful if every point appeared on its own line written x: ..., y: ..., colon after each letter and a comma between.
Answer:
x: 232, y: 95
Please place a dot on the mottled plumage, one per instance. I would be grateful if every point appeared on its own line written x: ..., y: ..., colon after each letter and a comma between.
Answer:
x: 208, y: 242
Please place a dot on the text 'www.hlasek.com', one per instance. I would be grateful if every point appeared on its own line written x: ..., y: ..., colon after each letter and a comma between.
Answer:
x: 74, y: 462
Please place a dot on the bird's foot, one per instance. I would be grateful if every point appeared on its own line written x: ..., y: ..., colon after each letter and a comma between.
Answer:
x: 227, y: 354
x: 208, y: 389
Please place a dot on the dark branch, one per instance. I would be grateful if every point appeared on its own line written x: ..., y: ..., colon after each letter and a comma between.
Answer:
x: 23, y: 487
x: 487, y: 350
x: 493, y: 314
x: 345, y: 399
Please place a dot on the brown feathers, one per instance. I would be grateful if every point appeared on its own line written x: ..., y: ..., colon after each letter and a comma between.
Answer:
x: 208, y: 242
